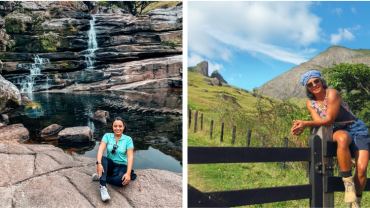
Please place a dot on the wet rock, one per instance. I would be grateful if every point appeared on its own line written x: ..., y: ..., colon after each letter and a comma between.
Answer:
x: 10, y: 96
x: 4, y: 119
x: 216, y: 82
x: 50, y: 131
x: 25, y: 100
x: 15, y: 133
x: 75, y: 134
x: 101, y: 116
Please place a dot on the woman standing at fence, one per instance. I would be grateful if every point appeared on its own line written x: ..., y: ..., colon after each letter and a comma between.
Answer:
x: 327, y: 108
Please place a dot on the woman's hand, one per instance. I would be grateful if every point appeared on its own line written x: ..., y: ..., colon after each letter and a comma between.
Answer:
x: 298, y: 127
x: 100, y: 170
x: 126, y: 179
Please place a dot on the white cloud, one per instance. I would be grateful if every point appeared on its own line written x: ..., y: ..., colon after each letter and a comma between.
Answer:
x: 337, y: 11
x: 266, y: 49
x: 353, y: 10
x: 344, y: 34
x: 267, y: 24
x: 194, y: 59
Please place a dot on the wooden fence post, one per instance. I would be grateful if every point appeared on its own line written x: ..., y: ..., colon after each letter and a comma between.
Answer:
x: 189, y: 117
x: 233, y: 138
x: 222, y: 132
x: 263, y: 141
x: 285, y: 145
x: 316, y: 179
x: 210, y: 135
x: 249, y: 138
x: 195, y: 121
x: 325, y: 134
x: 201, y: 121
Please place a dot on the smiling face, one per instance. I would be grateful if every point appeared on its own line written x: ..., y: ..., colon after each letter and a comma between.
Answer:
x: 118, y: 127
x: 314, y: 85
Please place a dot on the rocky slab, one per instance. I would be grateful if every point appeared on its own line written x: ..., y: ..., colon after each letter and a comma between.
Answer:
x: 75, y: 134
x: 40, y: 179
x: 14, y: 133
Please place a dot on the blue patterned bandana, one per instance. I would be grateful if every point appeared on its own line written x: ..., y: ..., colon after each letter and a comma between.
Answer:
x: 308, y: 75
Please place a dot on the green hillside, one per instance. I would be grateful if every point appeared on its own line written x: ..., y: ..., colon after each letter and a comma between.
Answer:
x: 200, y: 100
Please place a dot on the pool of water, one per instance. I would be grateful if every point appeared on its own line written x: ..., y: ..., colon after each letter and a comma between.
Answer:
x: 157, y: 136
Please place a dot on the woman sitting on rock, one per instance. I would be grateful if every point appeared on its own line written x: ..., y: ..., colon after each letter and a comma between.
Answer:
x: 116, y: 168
x: 328, y: 108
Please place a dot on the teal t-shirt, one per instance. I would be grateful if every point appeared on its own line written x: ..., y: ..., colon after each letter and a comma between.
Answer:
x: 123, y: 144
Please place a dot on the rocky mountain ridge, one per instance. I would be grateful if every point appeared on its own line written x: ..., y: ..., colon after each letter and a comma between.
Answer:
x: 287, y: 85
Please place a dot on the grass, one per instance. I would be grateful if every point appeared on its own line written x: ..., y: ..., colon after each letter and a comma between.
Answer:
x: 202, y: 100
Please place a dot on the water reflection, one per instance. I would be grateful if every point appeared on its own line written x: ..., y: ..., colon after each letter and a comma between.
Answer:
x: 156, y: 136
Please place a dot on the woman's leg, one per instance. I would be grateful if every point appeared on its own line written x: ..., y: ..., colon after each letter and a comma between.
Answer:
x: 362, y: 159
x: 117, y: 180
x: 108, y: 168
x: 343, y: 140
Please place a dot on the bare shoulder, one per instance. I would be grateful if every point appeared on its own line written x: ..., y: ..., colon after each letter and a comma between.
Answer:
x: 308, y: 103
x: 332, y: 93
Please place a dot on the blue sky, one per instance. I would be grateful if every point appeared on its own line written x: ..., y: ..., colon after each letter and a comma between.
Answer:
x: 250, y: 43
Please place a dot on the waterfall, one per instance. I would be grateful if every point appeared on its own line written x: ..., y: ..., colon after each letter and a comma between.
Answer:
x: 92, y: 45
x: 27, y: 85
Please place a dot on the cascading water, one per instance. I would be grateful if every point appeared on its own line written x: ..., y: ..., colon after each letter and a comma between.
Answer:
x: 92, y: 45
x: 27, y: 85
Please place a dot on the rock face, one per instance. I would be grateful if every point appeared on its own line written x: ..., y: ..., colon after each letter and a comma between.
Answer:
x: 14, y: 133
x: 217, y: 75
x: 9, y: 95
x: 287, y: 85
x: 50, y: 132
x: 75, y: 134
x: 61, y: 35
x: 201, y: 68
x: 216, y: 82
x: 101, y: 116
x: 229, y: 98
x: 45, y: 176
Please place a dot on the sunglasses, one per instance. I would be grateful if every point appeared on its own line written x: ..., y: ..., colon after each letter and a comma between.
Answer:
x: 316, y: 81
x: 115, y: 146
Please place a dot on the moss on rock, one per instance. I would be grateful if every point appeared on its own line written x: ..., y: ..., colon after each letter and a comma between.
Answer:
x: 16, y: 22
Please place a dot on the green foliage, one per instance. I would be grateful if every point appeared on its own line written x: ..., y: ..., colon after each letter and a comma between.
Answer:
x: 192, y: 69
x: 103, y: 3
x: 134, y: 7
x: 47, y: 42
x: 353, y: 80
x: 13, y: 25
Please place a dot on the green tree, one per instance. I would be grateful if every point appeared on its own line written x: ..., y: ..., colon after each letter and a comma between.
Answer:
x: 354, y: 81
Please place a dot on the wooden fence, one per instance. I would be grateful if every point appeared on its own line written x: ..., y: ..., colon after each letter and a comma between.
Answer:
x: 322, y: 183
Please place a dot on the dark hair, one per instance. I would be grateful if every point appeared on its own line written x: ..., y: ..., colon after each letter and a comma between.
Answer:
x: 120, y: 119
x: 310, y: 95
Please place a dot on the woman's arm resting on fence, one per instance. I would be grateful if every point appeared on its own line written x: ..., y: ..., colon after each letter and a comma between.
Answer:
x: 99, y: 155
x: 334, y: 101
x: 130, y: 162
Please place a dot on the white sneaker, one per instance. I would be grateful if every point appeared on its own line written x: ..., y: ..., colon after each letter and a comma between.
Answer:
x: 104, y: 193
x: 95, y: 177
